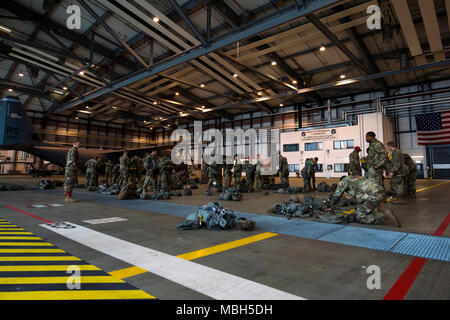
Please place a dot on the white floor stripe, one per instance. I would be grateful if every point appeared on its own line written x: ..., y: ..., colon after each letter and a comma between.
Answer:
x: 208, y: 281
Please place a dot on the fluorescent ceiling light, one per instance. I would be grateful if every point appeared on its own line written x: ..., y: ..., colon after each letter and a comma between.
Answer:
x: 84, y: 111
x: 5, y: 29
x: 58, y: 91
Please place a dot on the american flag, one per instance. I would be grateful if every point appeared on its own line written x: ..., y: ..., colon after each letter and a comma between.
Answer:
x: 433, y: 128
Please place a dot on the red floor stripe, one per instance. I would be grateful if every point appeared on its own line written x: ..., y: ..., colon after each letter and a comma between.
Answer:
x: 406, y: 280
x: 29, y: 214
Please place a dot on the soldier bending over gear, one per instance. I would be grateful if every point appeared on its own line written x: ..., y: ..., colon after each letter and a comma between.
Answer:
x: 368, y: 196
x: 70, y: 171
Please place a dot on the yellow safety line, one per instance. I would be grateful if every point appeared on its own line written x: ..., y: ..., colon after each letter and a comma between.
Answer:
x: 225, y: 246
x: 434, y: 186
x: 14, y: 232
x: 10, y: 229
x: 75, y: 295
x: 8, y: 226
x: 40, y: 280
x: 133, y: 271
x: 127, y: 272
x: 18, y: 238
x: 36, y: 244
x: 43, y: 258
x: 31, y: 251
x: 82, y: 267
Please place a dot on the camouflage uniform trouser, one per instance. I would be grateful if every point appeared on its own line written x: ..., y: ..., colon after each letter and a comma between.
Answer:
x: 410, y: 182
x: 156, y: 181
x: 376, y: 176
x: 148, y: 178
x: 367, y: 212
x: 165, y: 182
x: 237, y: 179
x: 219, y: 183
x: 307, y: 183
x: 397, y: 185
x: 259, y: 182
x: 123, y: 179
x: 313, y: 181
x: 228, y: 177
x: 210, y: 183
x: 91, y: 179
x: 108, y: 177
x: 70, y: 176
x: 284, y: 179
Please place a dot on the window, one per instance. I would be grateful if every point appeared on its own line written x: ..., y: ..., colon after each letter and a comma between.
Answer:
x: 340, y: 167
x: 344, y: 144
x: 313, y: 146
x: 319, y: 167
x: 23, y: 155
x: 291, y: 147
x: 294, y: 167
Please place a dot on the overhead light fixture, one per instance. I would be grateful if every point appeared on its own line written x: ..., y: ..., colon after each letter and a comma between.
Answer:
x: 203, y: 107
x: 322, y: 48
x: 10, y: 90
x: 342, y: 76
x: 274, y: 63
x: 235, y: 75
x: 155, y: 19
x: 57, y: 91
x: 87, y: 107
x: 202, y: 85
x: 281, y: 105
x: 21, y: 73
x: 155, y: 103
x: 177, y: 93
x: 84, y: 111
x: 294, y: 81
x: 114, y: 107
x: 259, y: 93
x: 76, y: 118
x: 81, y: 73
x: 5, y: 29
x: 64, y: 88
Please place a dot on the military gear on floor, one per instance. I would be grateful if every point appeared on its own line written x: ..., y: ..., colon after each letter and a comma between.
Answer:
x: 323, y: 187
x: 226, y: 196
x: 316, y: 204
x: 109, y: 190
x: 291, y: 209
x: 294, y: 199
x: 245, y: 224
x: 128, y: 191
x: 236, y: 195
x: 329, y: 217
x: 46, y: 185
x: 175, y: 193
x: 187, y: 191
x: 160, y: 195
x: 92, y: 188
x: 212, y: 215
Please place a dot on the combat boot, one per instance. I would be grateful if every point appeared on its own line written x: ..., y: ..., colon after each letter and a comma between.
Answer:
x: 70, y: 200
x: 398, y: 201
x: 388, y: 213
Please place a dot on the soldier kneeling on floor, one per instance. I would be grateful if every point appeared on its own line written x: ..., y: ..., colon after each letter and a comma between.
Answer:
x: 368, y: 196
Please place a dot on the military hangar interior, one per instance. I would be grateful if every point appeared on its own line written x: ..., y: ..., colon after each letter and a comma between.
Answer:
x: 319, y: 76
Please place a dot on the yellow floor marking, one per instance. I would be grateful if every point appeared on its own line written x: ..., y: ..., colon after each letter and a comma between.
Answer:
x: 127, y: 272
x: 225, y: 246
x: 82, y: 267
x: 83, y: 279
x: 75, y: 295
x: 18, y: 238
x: 43, y: 258
x: 11, y: 229
x: 36, y: 244
x: 14, y: 232
x: 133, y: 271
x: 8, y: 226
x: 31, y: 251
x: 434, y: 186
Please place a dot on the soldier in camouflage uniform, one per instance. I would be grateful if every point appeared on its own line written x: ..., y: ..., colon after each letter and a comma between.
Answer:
x: 219, y: 177
x: 115, y: 173
x: 354, y: 168
x: 136, y: 173
x: 204, y: 173
x: 258, y: 176
x: 228, y: 172
x: 70, y: 171
x: 237, y: 172
x: 396, y: 170
x: 124, y: 169
x: 410, y: 179
x: 284, y: 171
x: 91, y: 173
x: 306, y: 174
x: 148, y: 167
x: 250, y: 175
x: 108, y: 172
x: 211, y: 175
x: 376, y: 159
x: 165, y: 168
x: 368, y: 196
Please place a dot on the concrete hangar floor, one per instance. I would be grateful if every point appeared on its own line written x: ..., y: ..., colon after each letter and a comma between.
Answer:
x: 143, y: 255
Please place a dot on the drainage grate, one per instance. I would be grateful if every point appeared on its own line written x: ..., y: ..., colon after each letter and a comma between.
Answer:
x: 365, y: 237
x: 424, y: 246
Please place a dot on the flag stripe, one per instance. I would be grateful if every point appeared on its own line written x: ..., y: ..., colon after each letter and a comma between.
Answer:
x: 433, y: 128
